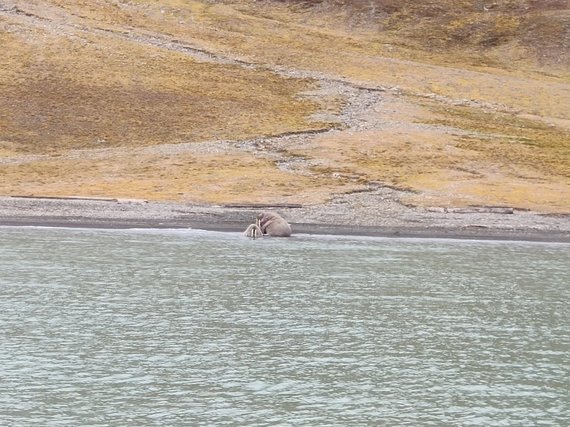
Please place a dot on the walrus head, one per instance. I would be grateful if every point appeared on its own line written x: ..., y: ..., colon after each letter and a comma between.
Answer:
x: 273, y: 224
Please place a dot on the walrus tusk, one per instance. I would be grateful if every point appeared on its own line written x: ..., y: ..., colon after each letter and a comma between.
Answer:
x: 253, y: 231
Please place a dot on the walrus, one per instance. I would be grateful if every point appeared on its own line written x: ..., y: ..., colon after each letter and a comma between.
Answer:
x: 273, y: 224
x: 253, y: 231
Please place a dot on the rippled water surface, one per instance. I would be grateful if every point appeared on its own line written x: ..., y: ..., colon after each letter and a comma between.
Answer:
x: 132, y: 327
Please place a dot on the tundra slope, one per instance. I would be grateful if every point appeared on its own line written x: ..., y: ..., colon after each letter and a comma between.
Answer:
x: 393, y: 132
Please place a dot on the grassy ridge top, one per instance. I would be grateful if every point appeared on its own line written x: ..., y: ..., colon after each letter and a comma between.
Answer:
x: 478, y: 111
x: 539, y: 29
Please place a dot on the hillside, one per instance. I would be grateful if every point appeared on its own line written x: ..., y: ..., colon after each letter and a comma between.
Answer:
x: 453, y: 103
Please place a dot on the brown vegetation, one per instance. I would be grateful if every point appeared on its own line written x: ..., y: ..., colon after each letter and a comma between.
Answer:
x: 97, y: 95
x: 539, y: 27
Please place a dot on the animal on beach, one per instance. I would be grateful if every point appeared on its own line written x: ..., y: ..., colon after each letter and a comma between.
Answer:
x: 253, y: 230
x: 270, y: 223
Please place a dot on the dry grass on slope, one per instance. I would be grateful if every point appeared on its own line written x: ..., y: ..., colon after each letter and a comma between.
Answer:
x: 68, y: 88
x: 123, y: 74
x: 481, y: 32
x: 75, y: 76
x: 276, y: 33
x: 231, y: 177
x: 451, y: 156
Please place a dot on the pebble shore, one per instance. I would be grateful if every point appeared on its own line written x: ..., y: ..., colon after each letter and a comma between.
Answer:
x: 373, y: 213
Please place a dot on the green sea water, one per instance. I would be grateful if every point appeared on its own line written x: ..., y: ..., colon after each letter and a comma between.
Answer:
x: 194, y: 328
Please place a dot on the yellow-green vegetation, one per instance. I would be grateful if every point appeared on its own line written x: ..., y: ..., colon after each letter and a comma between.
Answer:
x: 86, y: 92
x: 503, y: 33
x: 190, y: 177
x: 513, y: 141
x: 96, y: 93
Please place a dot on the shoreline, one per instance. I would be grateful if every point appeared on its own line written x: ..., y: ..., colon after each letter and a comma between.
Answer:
x: 305, y: 229
x: 128, y: 214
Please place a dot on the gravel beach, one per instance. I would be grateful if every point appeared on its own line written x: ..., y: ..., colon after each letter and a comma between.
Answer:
x: 374, y: 213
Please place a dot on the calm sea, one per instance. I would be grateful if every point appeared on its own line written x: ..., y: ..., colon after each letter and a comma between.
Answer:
x: 193, y: 328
